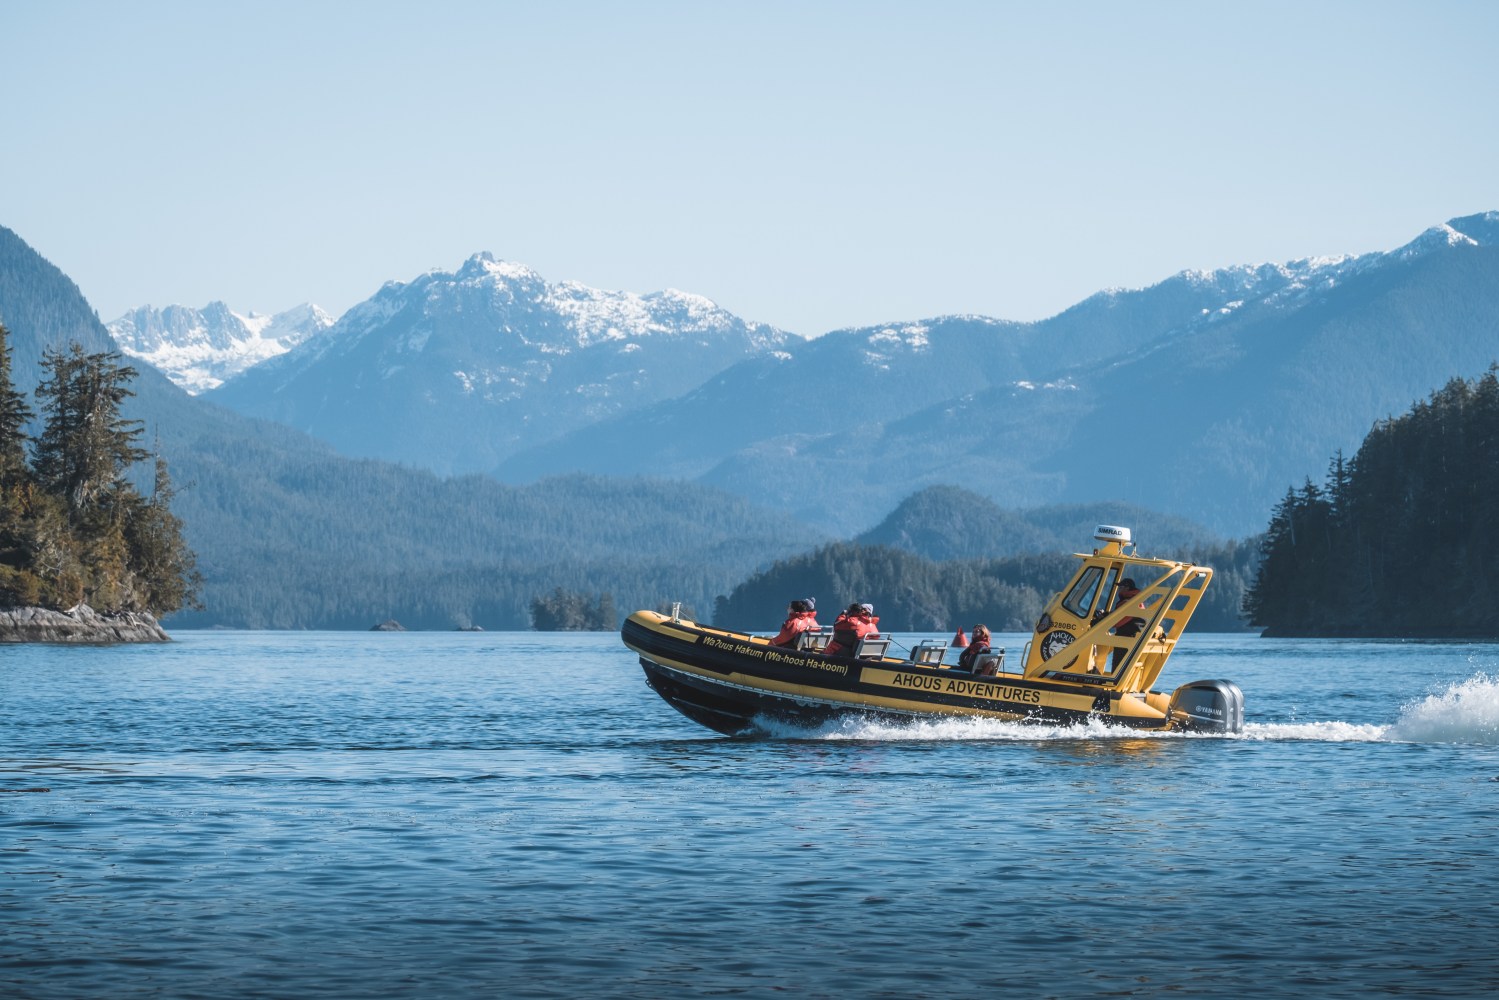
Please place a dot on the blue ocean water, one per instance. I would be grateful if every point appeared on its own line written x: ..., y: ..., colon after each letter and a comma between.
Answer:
x: 518, y: 815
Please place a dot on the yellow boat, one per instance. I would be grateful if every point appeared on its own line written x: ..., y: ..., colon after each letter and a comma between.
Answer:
x: 1094, y: 656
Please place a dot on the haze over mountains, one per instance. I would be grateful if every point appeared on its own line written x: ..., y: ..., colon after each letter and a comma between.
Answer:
x: 1203, y: 396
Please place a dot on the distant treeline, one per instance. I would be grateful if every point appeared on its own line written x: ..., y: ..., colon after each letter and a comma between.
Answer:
x: 913, y: 594
x: 1395, y: 543
x: 564, y: 611
x: 306, y: 540
x: 287, y: 593
x: 73, y: 527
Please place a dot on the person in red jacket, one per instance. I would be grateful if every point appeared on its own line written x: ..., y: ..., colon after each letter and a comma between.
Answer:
x: 801, y: 617
x: 977, y: 646
x: 858, y: 622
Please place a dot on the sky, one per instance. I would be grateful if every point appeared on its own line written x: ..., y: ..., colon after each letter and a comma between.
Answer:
x: 809, y: 165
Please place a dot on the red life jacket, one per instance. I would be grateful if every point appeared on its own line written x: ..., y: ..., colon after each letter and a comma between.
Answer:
x: 798, y: 623
x: 1129, y: 626
x: 848, y: 630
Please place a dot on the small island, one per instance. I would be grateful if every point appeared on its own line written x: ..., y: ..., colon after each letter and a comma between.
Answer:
x: 1394, y: 544
x: 84, y: 555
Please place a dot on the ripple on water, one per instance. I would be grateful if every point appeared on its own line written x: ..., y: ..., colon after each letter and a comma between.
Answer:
x: 351, y: 816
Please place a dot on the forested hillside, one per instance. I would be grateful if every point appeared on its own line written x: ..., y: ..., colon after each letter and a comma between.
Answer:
x: 913, y: 594
x: 949, y: 522
x: 1396, y: 541
x: 321, y: 542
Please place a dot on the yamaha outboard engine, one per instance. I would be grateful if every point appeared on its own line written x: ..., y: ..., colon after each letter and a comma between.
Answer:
x: 1207, y: 707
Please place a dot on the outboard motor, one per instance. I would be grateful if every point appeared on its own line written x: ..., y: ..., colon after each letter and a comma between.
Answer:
x: 1207, y: 707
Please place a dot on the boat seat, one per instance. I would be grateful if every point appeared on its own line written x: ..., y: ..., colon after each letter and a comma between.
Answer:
x: 928, y: 653
x: 871, y: 648
x: 989, y: 663
x: 813, y: 640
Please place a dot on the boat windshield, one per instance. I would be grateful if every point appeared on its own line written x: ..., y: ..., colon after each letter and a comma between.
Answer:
x: 1079, y: 599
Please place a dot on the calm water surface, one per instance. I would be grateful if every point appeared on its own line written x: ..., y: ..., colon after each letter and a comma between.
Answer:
x: 517, y: 815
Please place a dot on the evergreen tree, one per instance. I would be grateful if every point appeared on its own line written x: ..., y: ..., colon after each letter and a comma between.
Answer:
x: 72, y: 527
x: 167, y: 568
x: 605, y: 617
x: 18, y: 584
x: 86, y: 444
x: 1266, y: 598
x: 14, y: 413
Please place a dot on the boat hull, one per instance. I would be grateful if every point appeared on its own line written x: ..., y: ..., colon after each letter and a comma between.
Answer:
x: 727, y: 681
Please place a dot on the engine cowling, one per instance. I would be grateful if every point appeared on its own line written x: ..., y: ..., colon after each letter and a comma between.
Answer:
x: 1207, y: 707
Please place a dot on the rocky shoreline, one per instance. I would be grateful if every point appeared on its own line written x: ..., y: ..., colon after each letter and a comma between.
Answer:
x: 80, y: 624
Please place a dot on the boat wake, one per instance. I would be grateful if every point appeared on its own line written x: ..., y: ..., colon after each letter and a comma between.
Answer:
x: 944, y: 729
x: 1466, y: 712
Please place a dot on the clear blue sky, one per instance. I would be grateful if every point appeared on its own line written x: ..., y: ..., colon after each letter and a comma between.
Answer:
x: 808, y: 165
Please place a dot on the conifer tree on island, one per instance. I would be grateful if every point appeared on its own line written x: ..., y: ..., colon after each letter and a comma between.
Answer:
x: 1398, y: 542
x: 73, y: 527
x: 16, y: 489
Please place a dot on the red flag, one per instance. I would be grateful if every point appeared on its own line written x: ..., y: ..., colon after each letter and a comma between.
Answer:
x: 960, y: 641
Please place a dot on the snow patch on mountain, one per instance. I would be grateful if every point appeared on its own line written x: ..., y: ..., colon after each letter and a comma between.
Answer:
x: 885, y: 344
x: 912, y: 336
x: 598, y: 316
x: 1064, y: 384
x: 1435, y: 238
x: 199, y: 349
x: 1483, y: 228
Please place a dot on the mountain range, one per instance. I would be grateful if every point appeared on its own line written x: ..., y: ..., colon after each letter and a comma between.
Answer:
x: 457, y: 371
x: 1201, y: 398
x: 289, y: 534
x: 199, y: 348
x: 1204, y: 396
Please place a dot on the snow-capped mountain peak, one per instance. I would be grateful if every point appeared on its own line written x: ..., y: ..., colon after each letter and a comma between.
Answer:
x: 199, y: 348
x: 1436, y: 238
x: 513, y: 296
x: 424, y: 365
x: 484, y: 265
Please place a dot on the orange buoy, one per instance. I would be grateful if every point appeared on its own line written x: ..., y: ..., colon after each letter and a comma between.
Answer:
x: 960, y: 641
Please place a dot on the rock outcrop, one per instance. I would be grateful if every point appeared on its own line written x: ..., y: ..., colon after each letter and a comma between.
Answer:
x: 80, y: 624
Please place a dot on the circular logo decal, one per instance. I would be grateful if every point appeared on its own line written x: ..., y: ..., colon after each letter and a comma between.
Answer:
x: 1054, y: 643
